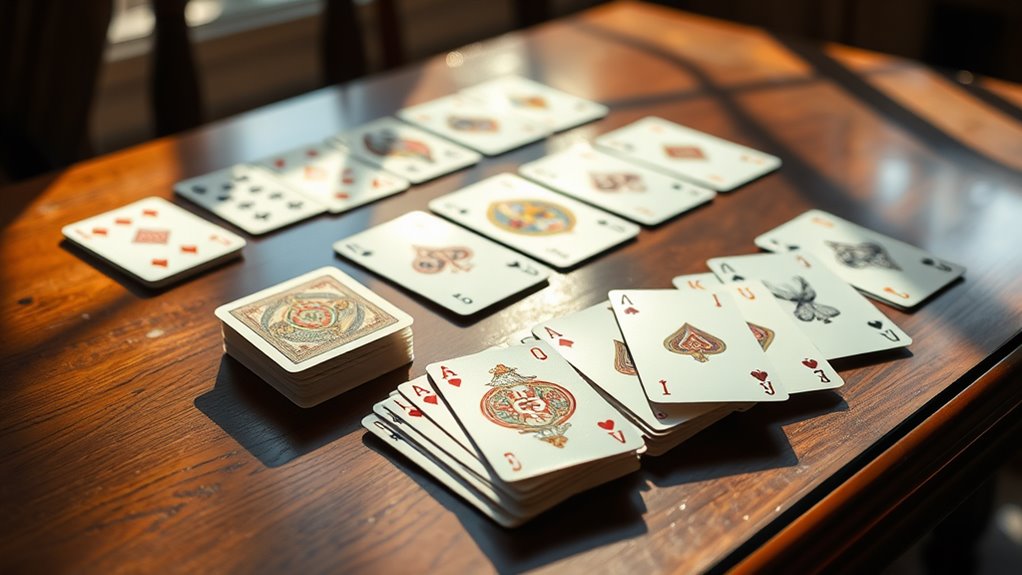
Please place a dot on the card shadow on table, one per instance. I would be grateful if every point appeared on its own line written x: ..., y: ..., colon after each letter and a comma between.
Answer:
x: 276, y: 431
x: 608, y: 513
x: 741, y: 442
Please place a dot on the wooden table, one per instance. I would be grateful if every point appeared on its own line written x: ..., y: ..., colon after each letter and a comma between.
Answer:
x: 128, y: 443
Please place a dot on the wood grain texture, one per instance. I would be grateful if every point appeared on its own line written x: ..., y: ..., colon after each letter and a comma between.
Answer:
x: 129, y: 443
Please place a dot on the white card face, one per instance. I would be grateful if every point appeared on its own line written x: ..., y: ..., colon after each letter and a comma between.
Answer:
x: 377, y: 427
x: 332, y: 177
x: 154, y: 240
x: 533, y: 220
x: 473, y: 123
x: 422, y: 395
x: 591, y: 341
x: 312, y: 318
x: 694, y: 347
x: 552, y: 108
x: 627, y: 189
x: 529, y: 413
x: 407, y: 151
x: 798, y: 362
x: 249, y: 197
x: 443, y: 262
x: 837, y: 319
x: 885, y: 268
x: 694, y: 155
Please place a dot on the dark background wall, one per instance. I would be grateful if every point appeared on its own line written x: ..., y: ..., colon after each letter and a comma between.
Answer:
x: 981, y: 36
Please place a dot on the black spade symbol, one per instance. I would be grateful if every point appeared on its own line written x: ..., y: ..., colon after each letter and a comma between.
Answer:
x: 874, y: 324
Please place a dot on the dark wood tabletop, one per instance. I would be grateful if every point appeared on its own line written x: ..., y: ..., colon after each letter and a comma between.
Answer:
x: 130, y: 443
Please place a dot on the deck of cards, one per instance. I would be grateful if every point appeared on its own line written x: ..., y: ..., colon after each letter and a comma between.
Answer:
x: 513, y: 430
x: 317, y: 335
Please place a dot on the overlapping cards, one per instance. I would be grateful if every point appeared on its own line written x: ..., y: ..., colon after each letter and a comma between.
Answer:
x: 317, y: 335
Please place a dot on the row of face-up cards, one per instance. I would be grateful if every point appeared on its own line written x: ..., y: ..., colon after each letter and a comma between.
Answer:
x: 317, y: 335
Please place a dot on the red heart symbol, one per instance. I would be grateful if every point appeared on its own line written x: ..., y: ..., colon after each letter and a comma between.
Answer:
x: 759, y: 374
x: 190, y: 249
x: 160, y: 262
x: 631, y: 311
x: 99, y: 231
x: 608, y: 425
x: 565, y: 342
x: 430, y: 399
x: 150, y: 213
x: 123, y: 221
x: 414, y: 413
x: 455, y: 381
x: 810, y: 363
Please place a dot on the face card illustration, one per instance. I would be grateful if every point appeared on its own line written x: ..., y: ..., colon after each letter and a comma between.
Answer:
x: 249, y: 197
x: 885, y: 268
x: 155, y: 241
x: 331, y: 176
x: 798, y: 362
x: 554, y: 109
x: 443, y: 262
x: 591, y: 341
x: 694, y: 347
x: 632, y: 191
x: 533, y: 220
x: 312, y: 318
x: 529, y: 413
x: 475, y: 123
x: 835, y: 317
x: 407, y: 151
x: 701, y: 158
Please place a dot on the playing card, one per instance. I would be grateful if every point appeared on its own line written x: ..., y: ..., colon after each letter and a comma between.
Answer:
x: 405, y: 150
x: 312, y: 318
x: 591, y: 341
x: 249, y: 197
x: 627, y: 189
x: 552, y: 108
x: 155, y: 241
x: 885, y: 268
x: 533, y: 220
x: 694, y: 346
x: 331, y: 176
x: 837, y: 319
x: 445, y: 263
x: 478, y: 124
x: 529, y: 413
x: 696, y: 156
x: 798, y: 362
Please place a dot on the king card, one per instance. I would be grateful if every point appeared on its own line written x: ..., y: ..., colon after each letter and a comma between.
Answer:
x: 312, y: 318
x: 407, y: 151
x: 694, y: 347
x: 475, y: 123
x: 155, y: 241
x: 529, y: 413
x: 701, y: 158
x: 249, y: 197
x: 837, y: 319
x: 331, y: 176
x: 640, y: 194
x: 533, y: 220
x: 884, y: 268
x: 445, y: 263
x: 798, y: 362
x: 552, y: 108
